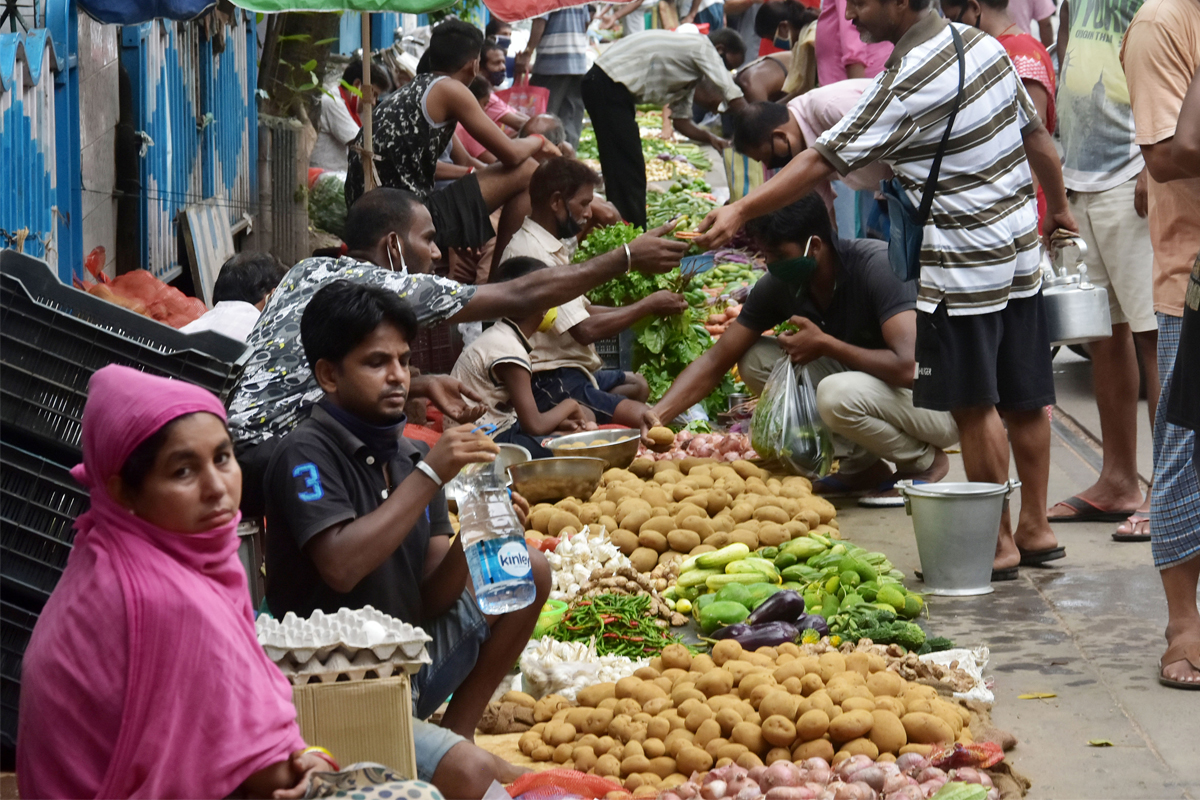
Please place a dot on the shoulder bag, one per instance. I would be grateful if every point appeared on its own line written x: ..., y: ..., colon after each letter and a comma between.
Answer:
x: 907, y: 224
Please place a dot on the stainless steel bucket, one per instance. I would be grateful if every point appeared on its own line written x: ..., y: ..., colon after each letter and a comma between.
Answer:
x: 1076, y: 310
x: 956, y: 525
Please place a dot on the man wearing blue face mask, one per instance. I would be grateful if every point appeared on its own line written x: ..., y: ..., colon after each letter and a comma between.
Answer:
x: 855, y: 329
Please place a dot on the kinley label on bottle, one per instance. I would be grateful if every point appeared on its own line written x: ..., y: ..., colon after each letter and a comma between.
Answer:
x: 512, y: 558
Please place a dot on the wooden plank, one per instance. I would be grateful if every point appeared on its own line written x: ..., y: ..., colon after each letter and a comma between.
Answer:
x: 209, y: 243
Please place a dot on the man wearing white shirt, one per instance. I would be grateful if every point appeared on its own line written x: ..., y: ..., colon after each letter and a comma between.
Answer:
x: 243, y: 286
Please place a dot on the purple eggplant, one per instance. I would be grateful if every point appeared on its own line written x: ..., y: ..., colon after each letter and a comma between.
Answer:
x: 731, y: 631
x: 766, y: 634
x: 783, y: 606
x: 814, y: 621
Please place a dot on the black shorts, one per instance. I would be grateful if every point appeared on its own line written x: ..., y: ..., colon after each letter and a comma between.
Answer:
x: 514, y: 435
x: 553, y: 386
x: 1000, y: 359
x: 460, y: 215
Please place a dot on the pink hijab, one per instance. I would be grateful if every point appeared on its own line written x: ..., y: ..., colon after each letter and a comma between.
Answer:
x: 202, y: 706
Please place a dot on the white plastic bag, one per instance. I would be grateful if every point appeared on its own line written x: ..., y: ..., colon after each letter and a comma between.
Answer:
x: 786, y: 426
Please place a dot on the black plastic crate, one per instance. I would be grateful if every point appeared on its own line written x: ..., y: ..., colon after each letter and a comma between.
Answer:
x: 617, y: 351
x: 54, y: 337
x: 39, y: 501
x: 436, y: 349
x: 16, y: 626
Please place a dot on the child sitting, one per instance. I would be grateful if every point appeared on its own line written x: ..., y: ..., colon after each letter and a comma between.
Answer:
x: 497, y: 367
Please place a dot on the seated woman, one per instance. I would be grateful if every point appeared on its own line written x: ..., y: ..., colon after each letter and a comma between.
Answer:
x: 143, y: 676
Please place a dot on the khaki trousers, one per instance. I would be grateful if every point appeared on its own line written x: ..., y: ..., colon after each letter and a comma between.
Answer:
x: 869, y: 419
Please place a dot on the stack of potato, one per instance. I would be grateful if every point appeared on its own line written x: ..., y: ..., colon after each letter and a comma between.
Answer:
x: 656, y: 509
x: 686, y: 713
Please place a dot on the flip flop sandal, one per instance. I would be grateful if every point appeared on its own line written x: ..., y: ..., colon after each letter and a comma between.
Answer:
x: 1037, y: 558
x: 883, y: 496
x: 998, y: 575
x: 881, y: 501
x: 1087, y: 511
x: 1133, y: 536
x: 1182, y: 651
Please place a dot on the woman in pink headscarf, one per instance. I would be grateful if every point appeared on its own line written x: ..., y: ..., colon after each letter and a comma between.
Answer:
x: 143, y: 677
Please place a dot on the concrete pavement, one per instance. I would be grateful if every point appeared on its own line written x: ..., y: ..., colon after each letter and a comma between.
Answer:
x: 1087, y: 628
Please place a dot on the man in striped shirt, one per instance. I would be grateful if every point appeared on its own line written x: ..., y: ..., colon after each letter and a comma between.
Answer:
x: 982, y: 341
x: 560, y: 41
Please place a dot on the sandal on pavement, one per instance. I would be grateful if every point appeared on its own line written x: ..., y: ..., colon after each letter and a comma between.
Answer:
x: 1037, y: 558
x: 1134, y: 529
x: 1087, y: 511
x: 1181, y: 651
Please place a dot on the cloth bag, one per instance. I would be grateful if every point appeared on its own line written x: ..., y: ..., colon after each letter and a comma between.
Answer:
x: 908, y: 223
x: 786, y: 426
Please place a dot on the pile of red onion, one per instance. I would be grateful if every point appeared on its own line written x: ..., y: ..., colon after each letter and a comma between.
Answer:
x: 721, y: 446
x: 910, y: 777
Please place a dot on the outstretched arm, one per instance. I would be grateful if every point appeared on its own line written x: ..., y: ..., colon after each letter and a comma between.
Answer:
x: 450, y: 100
x: 801, y: 175
x: 648, y: 253
x: 603, y: 322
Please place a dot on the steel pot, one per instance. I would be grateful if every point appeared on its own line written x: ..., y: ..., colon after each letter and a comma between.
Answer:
x: 1076, y: 309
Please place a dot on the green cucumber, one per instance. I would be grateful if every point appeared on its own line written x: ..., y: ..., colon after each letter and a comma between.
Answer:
x: 719, y: 558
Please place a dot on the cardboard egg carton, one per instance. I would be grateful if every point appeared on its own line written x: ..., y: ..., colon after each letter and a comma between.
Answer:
x: 350, y: 643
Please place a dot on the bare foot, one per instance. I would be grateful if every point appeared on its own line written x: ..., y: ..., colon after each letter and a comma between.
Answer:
x: 936, y: 471
x: 1007, y: 554
x: 1183, y: 650
x: 506, y: 772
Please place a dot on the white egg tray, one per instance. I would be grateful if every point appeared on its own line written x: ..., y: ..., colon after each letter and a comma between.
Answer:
x: 352, y: 643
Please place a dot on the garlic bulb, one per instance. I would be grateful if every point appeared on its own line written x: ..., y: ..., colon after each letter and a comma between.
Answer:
x: 578, y: 556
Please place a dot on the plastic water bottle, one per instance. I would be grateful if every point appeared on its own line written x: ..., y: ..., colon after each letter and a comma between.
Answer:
x: 494, y: 543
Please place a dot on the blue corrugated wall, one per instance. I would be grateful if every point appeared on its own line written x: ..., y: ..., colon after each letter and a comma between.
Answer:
x: 39, y: 141
x: 194, y: 106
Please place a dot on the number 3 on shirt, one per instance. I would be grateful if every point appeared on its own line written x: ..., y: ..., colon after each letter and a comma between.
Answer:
x: 312, y: 482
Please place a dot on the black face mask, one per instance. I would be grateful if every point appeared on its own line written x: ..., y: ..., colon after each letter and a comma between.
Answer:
x: 778, y: 161
x: 567, y: 228
x: 497, y: 78
x: 504, y: 42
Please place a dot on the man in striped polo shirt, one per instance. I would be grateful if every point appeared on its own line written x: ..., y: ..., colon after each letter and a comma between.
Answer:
x: 983, y: 350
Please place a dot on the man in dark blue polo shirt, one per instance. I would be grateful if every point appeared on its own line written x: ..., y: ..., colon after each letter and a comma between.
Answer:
x: 356, y: 516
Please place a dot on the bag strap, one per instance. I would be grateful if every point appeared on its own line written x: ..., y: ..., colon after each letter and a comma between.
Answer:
x: 931, y: 181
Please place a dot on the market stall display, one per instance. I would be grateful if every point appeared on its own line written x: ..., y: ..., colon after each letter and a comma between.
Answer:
x: 685, y: 713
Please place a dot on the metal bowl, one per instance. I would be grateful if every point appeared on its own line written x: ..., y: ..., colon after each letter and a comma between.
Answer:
x: 548, y: 479
x: 617, y: 446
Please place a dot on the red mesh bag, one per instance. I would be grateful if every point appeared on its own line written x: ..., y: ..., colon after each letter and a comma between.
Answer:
x: 979, y: 755
x: 553, y: 783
